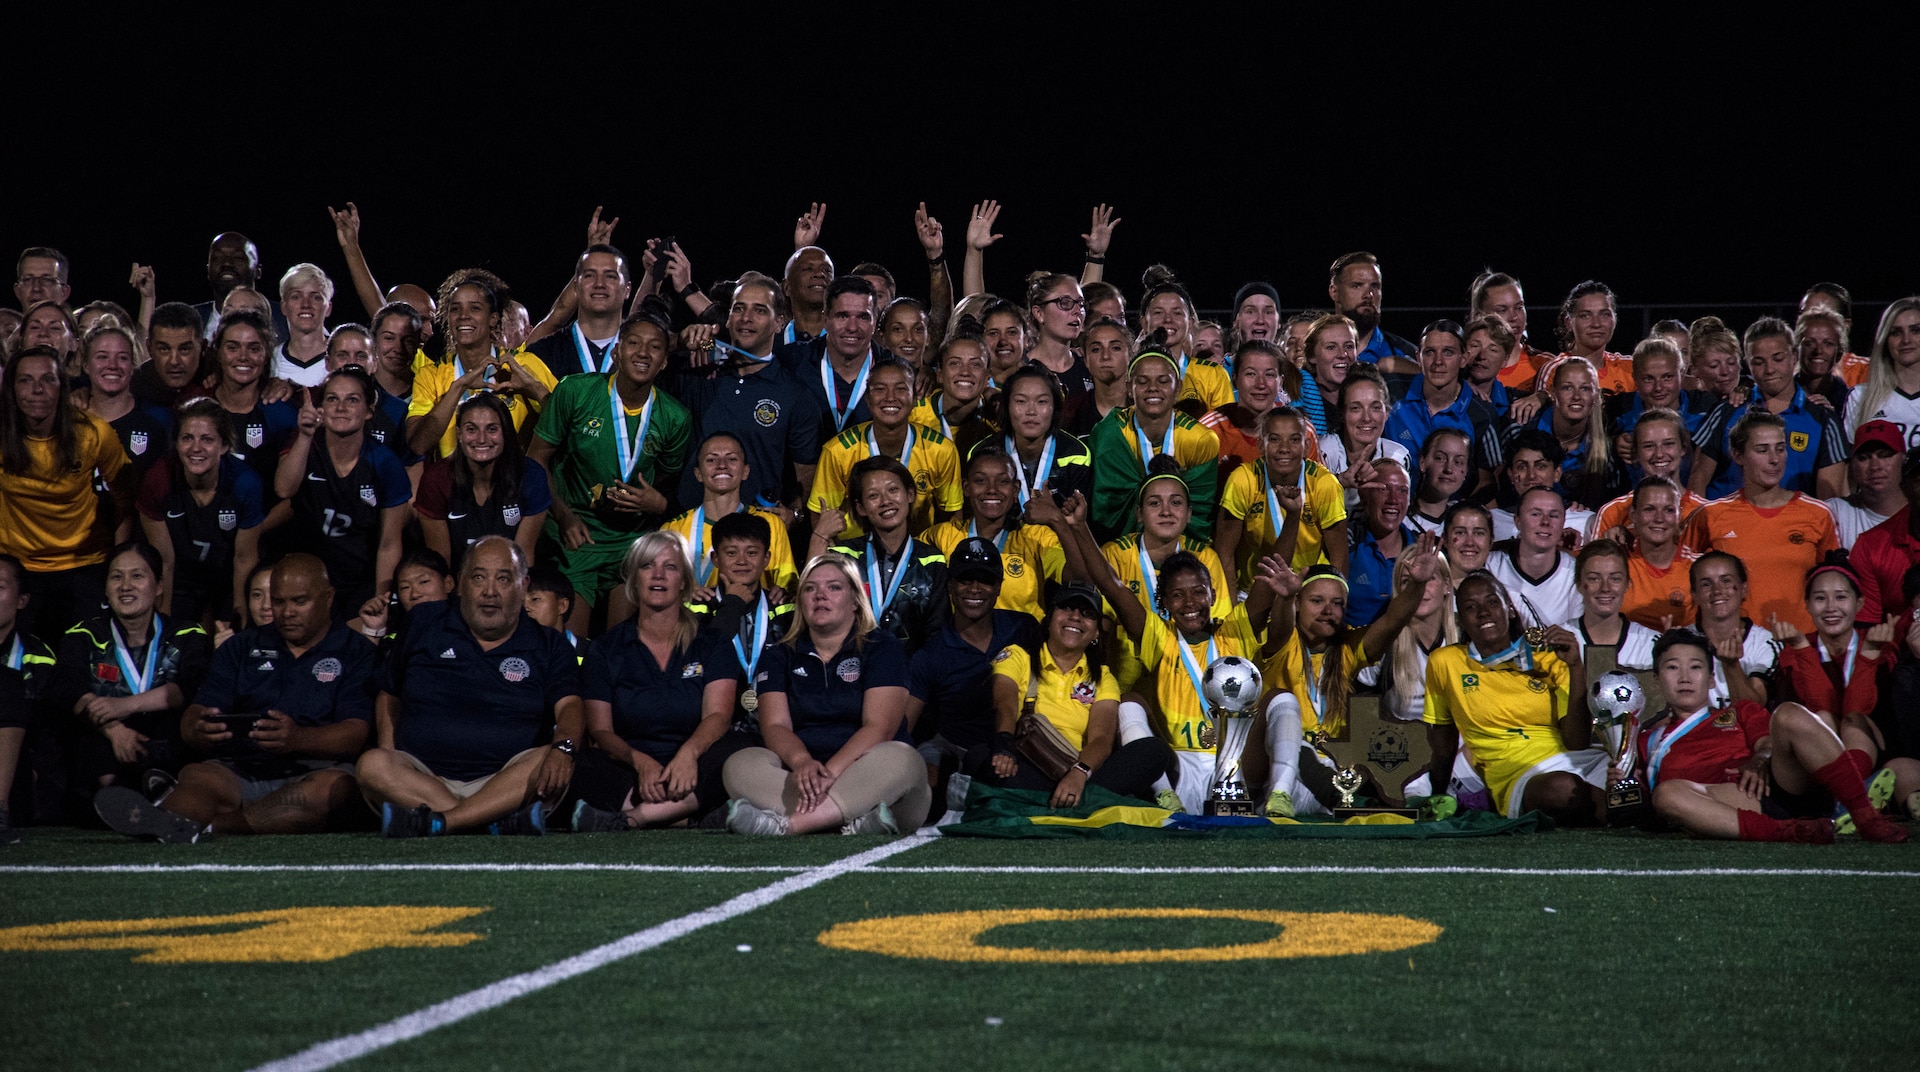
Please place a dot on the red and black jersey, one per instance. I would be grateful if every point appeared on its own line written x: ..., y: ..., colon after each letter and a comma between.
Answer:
x: 1709, y: 753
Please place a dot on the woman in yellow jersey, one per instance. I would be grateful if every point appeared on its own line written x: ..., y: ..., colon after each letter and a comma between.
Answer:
x: 957, y: 409
x: 1030, y: 555
x: 720, y: 466
x: 1166, y: 308
x: 1163, y: 512
x: 1254, y: 494
x: 1514, y: 705
x: 1313, y: 657
x: 1069, y: 687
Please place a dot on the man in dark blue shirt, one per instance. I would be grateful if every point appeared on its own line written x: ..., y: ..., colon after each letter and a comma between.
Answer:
x: 284, y: 710
x: 834, y: 368
x: 479, y: 716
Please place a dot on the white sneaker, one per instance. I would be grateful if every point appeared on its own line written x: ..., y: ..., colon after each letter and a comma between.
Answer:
x: 744, y: 818
x: 877, y: 821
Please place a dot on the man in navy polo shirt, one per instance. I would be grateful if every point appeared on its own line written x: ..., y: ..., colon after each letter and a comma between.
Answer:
x: 834, y: 368
x: 480, y: 712
x: 301, y: 683
x: 601, y: 287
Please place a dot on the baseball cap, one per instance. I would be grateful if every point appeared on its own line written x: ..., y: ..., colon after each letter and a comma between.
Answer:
x: 1077, y: 594
x: 1881, y: 434
x: 975, y: 559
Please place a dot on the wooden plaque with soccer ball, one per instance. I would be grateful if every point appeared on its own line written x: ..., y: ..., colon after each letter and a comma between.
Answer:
x: 1380, y: 748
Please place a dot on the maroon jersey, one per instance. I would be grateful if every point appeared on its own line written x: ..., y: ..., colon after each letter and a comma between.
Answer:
x: 1709, y: 753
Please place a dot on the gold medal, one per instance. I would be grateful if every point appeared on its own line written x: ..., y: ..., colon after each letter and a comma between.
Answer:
x: 1207, y: 736
x: 750, y: 700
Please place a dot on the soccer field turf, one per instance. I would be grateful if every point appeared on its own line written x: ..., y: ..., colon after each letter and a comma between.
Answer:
x: 704, y: 950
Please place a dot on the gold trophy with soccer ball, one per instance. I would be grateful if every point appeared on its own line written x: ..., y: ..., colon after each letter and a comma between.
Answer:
x: 1231, y: 688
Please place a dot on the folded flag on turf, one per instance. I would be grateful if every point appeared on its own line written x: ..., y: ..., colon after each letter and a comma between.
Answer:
x: 1020, y: 813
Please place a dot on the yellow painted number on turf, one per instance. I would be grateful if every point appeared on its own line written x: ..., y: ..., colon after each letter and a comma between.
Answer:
x: 283, y: 935
x: 956, y: 935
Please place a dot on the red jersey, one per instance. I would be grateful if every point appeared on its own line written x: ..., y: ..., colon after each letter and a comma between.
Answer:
x: 1882, y: 555
x: 1710, y: 753
x: 1821, y: 685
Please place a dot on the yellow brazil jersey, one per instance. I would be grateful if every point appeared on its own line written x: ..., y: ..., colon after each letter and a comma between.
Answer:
x: 926, y: 414
x: 1174, y: 688
x: 50, y: 520
x: 1299, y: 671
x: 1508, y: 716
x: 931, y: 458
x: 1065, y: 698
x: 1245, y: 497
x: 1206, y: 381
x: 780, y: 571
x: 1030, y: 556
x: 1123, y: 555
x: 431, y: 381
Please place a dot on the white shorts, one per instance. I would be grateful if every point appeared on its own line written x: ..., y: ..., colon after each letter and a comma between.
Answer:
x: 1589, y: 763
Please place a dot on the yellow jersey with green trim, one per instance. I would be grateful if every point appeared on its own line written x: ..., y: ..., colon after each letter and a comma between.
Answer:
x: 432, y: 380
x: 1296, y: 670
x: 1174, y: 691
x: 933, y: 461
x: 780, y: 571
x: 1509, y: 717
x: 1066, y: 697
x: 926, y: 415
x: 1030, y: 556
x: 1123, y: 555
x: 1245, y: 497
x: 1208, y: 382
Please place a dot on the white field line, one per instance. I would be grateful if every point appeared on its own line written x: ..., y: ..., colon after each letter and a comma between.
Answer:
x: 413, y: 1025
x: 966, y: 869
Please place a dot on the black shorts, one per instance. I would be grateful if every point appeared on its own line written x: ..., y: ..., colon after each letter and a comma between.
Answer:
x: 1815, y: 803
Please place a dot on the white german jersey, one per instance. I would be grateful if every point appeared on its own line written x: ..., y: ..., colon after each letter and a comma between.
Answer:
x: 1578, y: 518
x: 1849, y: 521
x: 1901, y: 409
x: 1635, y: 651
x: 1333, y: 455
x: 1543, y: 601
x: 1758, y: 656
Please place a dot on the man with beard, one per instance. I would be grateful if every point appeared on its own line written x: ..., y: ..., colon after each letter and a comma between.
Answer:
x: 232, y: 261
x: 601, y: 286
x: 176, y: 344
x: 757, y: 399
x: 1354, y: 286
x: 834, y: 367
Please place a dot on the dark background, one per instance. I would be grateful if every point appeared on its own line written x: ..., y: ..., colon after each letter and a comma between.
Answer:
x: 1691, y: 162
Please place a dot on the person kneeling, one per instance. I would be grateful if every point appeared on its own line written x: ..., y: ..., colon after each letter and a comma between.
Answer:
x: 474, y: 692
x: 284, y: 709
x: 1733, y: 772
x: 1061, y: 680
x: 832, y: 698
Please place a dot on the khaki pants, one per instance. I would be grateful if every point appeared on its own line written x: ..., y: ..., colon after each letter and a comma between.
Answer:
x: 890, y: 773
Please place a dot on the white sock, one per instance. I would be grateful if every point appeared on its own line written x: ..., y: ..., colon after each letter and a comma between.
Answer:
x: 1133, y: 722
x: 1283, y: 741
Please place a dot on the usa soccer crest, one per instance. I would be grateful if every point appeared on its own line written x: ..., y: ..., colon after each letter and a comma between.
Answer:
x: 849, y: 671
x: 510, y: 513
x: 137, y: 442
x: 367, y: 496
x: 256, y: 435
x: 326, y: 671
x: 515, y: 670
x: 229, y: 520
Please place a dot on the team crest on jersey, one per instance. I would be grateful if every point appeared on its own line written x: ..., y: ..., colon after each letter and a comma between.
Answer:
x: 923, y: 482
x: 1798, y: 441
x: 1470, y: 682
x: 510, y: 513
x: 1015, y: 566
x: 1724, y: 719
x: 592, y: 427
x: 256, y: 435
x: 690, y: 670
x: 515, y: 670
x: 1537, y: 684
x: 849, y: 671
x: 229, y: 520
x: 367, y: 496
x: 326, y: 671
x: 766, y: 412
x: 1134, y: 587
x: 1084, y: 693
x: 137, y: 442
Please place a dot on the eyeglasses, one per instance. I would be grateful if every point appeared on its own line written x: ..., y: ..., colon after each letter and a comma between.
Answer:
x: 39, y: 280
x: 1066, y: 303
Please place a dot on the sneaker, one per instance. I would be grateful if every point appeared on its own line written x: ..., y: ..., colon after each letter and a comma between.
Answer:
x: 1168, y: 800
x: 420, y: 821
x: 877, y: 821
x: 744, y: 818
x: 588, y: 819
x: 1879, y: 794
x: 1809, y: 831
x: 9, y: 834
x: 128, y: 812
x: 530, y: 820
x: 156, y: 784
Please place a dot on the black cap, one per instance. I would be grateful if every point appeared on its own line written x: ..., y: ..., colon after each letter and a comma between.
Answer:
x: 1249, y: 290
x: 975, y: 559
x: 1075, y: 594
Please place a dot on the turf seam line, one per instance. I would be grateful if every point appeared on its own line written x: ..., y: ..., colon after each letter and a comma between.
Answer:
x: 966, y: 869
x: 350, y: 1047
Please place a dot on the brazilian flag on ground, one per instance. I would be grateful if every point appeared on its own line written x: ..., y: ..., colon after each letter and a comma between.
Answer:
x: 1021, y: 813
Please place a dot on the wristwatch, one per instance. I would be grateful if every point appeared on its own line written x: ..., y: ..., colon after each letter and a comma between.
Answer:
x: 565, y: 746
x: 1083, y: 769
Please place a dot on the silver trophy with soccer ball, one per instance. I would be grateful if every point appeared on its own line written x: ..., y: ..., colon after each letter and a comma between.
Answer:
x: 1617, y: 703
x: 1231, y: 687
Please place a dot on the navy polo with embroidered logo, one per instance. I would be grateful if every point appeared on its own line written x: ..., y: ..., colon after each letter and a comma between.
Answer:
x: 254, y: 673
x: 773, y: 416
x: 655, y: 708
x: 955, y: 679
x: 825, y: 699
x: 467, y: 712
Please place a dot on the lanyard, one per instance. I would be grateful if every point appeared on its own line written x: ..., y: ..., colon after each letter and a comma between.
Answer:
x: 831, y: 382
x: 874, y: 553
x: 1518, y: 652
x: 1661, y: 742
x: 588, y: 362
x: 1150, y: 576
x: 702, y: 568
x: 1853, y: 648
x: 873, y: 442
x: 1146, y: 445
x: 1193, y: 669
x: 1043, y: 470
x: 17, y: 654
x: 1315, y: 694
x: 999, y: 542
x: 744, y: 355
x: 939, y: 403
x: 459, y: 370
x: 628, y: 448
x: 791, y: 334
x: 137, y: 681
x: 759, y: 639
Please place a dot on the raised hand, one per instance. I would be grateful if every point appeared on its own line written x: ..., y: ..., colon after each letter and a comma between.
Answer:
x: 309, y: 414
x: 1041, y: 509
x: 980, y: 229
x: 1729, y: 648
x: 1101, y: 233
x: 142, y: 281
x: 1274, y: 572
x: 373, y: 615
x: 599, y: 232
x: 933, y: 239
x: 1787, y: 633
x: 1291, y: 497
x: 647, y: 257
x: 829, y: 523
x: 806, y: 230
x: 346, y: 225
x: 1878, y: 638
x: 679, y: 269
x: 1075, y: 509
x: 1423, y: 558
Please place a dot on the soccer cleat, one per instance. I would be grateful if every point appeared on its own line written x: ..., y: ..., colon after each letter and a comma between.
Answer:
x: 420, y: 821
x: 9, y: 834
x: 1279, y: 804
x: 156, y: 784
x: 877, y: 821
x: 530, y: 820
x: 1876, y: 827
x: 1168, y: 800
x: 744, y: 818
x: 588, y: 819
x: 127, y: 812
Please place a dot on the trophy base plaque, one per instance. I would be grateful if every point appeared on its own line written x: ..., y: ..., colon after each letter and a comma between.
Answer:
x: 1241, y: 806
x: 1344, y: 814
x: 1628, y: 804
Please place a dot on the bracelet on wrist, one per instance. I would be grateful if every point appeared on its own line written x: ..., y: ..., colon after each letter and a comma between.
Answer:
x: 935, y: 262
x: 1096, y: 258
x: 687, y: 291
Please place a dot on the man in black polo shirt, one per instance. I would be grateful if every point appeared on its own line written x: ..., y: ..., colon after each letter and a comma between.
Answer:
x: 176, y: 346
x: 950, y: 683
x: 284, y: 710
x: 834, y: 367
x: 756, y: 399
x: 480, y: 712
x: 600, y: 289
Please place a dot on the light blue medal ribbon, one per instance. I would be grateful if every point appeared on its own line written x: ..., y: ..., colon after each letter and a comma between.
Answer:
x: 16, y: 656
x: 790, y: 334
x: 1846, y: 668
x: 999, y: 542
x: 744, y: 355
x: 137, y: 681
x: 1146, y: 445
x: 873, y: 441
x: 703, y: 569
x: 878, y: 602
x: 939, y: 402
x: 830, y: 382
x: 587, y: 362
x: 1315, y: 694
x: 1273, y: 501
x: 1518, y: 652
x: 1043, y: 470
x: 1660, y: 743
x: 627, y: 448
x: 750, y: 663
x: 1149, y: 578
x: 460, y: 369
x: 1193, y: 669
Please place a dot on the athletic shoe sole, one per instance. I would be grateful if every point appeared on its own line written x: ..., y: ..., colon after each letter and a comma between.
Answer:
x: 129, y: 812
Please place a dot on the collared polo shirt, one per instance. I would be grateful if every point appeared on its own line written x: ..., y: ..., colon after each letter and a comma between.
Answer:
x: 826, y: 698
x: 655, y: 707
x: 953, y: 678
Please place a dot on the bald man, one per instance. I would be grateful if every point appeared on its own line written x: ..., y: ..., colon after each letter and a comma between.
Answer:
x: 284, y: 711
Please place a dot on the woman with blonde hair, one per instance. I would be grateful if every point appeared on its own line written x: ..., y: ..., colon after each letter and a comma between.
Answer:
x: 831, y: 698
x: 1892, y: 390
